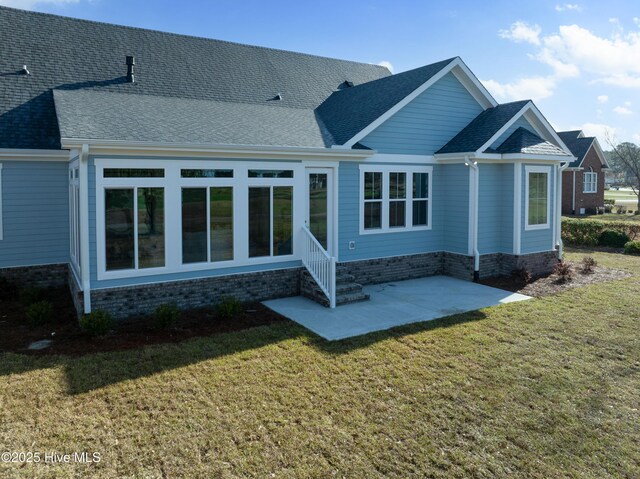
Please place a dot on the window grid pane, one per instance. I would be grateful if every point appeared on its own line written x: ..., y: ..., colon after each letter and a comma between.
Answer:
x: 150, y: 227
x: 221, y: 223
x: 538, y: 198
x: 282, y: 220
x: 259, y: 221
x: 194, y: 225
x: 119, y: 229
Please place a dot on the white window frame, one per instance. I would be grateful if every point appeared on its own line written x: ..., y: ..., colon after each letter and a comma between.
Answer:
x: 593, y: 182
x: 173, y: 184
x: 1, y: 225
x: 537, y: 169
x: 386, y: 170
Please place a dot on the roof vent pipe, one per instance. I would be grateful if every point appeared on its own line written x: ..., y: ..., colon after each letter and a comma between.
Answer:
x: 25, y: 70
x: 130, y: 62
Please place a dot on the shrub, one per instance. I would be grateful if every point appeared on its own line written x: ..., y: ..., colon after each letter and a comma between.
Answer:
x: 608, y: 201
x: 40, y: 312
x: 31, y: 295
x: 621, y: 209
x: 588, y: 265
x: 586, y: 232
x: 7, y: 288
x: 564, y: 271
x: 97, y: 323
x: 613, y: 238
x: 632, y: 247
x: 521, y: 275
x: 229, y: 307
x: 166, y: 315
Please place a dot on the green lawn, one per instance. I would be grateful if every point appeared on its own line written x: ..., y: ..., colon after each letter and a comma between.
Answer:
x: 540, y: 389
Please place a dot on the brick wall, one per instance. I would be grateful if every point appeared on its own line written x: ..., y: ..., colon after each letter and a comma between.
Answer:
x: 397, y: 268
x: 135, y: 300
x: 503, y: 264
x: 41, y: 276
x: 583, y: 200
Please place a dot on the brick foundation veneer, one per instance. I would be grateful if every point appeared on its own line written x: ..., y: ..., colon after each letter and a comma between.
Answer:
x: 497, y: 264
x: 135, y: 300
x: 44, y: 276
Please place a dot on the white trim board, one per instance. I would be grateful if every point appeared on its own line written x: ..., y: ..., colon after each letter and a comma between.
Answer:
x: 15, y: 154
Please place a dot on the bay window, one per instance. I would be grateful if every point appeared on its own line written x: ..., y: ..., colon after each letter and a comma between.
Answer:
x: 394, y: 198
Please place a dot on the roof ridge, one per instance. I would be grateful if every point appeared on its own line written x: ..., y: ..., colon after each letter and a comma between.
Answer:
x: 184, y: 35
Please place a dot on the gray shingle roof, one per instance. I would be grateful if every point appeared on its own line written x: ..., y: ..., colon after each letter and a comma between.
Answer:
x: 348, y: 111
x: 482, y: 128
x: 524, y: 141
x: 70, y: 54
x: 578, y: 146
x: 90, y: 114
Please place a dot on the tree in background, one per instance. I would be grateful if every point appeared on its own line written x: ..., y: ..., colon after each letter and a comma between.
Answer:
x: 625, y: 158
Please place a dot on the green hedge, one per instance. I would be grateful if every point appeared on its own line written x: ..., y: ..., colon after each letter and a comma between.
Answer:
x: 583, y: 232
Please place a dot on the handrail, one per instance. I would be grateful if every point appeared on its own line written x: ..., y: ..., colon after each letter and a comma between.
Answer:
x: 320, y: 264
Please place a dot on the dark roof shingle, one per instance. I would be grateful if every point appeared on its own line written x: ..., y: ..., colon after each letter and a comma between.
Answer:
x: 578, y: 146
x: 348, y: 111
x: 482, y: 128
x: 524, y: 141
x: 70, y: 54
x: 86, y: 114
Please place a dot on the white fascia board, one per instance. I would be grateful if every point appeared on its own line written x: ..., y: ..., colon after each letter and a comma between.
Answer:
x: 20, y: 154
x: 603, y: 159
x: 456, y: 63
x: 549, y: 129
x: 525, y: 157
x: 212, y: 150
x: 392, y: 158
x: 473, y: 85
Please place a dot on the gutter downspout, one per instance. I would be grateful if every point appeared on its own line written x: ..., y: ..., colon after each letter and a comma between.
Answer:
x: 573, y: 198
x: 473, y: 213
x: 560, y: 171
x: 83, y: 166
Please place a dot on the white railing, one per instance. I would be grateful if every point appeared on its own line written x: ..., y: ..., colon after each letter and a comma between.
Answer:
x: 320, y: 265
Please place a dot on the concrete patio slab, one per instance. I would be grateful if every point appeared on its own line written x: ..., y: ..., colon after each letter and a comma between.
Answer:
x: 393, y: 304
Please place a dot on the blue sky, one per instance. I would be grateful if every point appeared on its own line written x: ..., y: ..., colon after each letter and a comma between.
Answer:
x: 580, y: 62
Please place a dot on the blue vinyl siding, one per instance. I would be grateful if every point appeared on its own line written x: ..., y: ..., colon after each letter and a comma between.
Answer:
x: 450, y: 218
x: 506, y: 206
x: 35, y: 209
x: 520, y: 122
x: 534, y: 241
x: 495, y: 212
x: 454, y: 207
x: 428, y: 122
x: 384, y: 244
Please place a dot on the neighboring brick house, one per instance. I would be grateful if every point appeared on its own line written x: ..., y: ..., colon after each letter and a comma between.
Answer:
x: 583, y: 180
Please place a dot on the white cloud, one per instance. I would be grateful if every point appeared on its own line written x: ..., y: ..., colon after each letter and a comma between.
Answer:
x: 29, y: 4
x: 568, y: 6
x: 534, y: 88
x: 622, y: 110
x: 522, y: 32
x: 387, y: 65
x: 636, y: 20
x: 603, y: 98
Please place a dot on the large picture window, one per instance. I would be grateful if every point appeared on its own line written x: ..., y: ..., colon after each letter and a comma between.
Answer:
x: 537, y: 197
x: 394, y: 198
x: 207, y: 224
x: 270, y: 221
x: 134, y: 228
x: 590, y: 182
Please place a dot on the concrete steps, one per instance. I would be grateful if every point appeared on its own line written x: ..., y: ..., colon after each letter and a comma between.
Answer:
x: 347, y: 290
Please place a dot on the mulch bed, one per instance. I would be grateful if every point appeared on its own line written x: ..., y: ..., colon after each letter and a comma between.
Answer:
x: 67, y: 338
x: 552, y: 283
